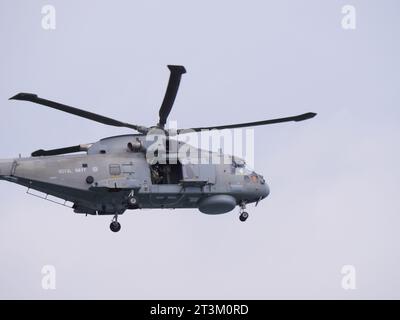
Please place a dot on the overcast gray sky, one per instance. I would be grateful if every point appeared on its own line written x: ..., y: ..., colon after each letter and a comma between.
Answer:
x: 334, y: 179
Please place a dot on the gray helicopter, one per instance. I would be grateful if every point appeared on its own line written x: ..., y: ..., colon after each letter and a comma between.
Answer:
x: 119, y: 173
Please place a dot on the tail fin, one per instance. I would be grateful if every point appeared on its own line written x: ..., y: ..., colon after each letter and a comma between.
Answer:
x: 6, y: 167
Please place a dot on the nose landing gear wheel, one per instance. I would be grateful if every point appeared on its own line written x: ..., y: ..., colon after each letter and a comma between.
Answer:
x: 243, y: 216
x: 115, y: 226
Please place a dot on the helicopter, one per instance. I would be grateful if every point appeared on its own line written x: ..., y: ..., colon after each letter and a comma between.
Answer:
x: 119, y: 173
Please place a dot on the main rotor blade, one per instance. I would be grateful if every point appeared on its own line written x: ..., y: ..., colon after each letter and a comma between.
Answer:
x: 170, y: 94
x: 300, y: 117
x: 78, y: 112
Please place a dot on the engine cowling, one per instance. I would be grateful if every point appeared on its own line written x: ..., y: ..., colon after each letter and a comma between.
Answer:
x: 217, y: 204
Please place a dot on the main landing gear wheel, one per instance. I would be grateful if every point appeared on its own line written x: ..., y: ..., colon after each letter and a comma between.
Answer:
x: 132, y: 201
x: 115, y: 226
x: 243, y: 216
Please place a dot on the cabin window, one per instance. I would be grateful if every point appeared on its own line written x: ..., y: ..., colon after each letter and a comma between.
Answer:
x: 115, y: 169
x: 127, y: 168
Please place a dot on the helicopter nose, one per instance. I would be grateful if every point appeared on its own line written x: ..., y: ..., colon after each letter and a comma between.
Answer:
x: 265, y: 190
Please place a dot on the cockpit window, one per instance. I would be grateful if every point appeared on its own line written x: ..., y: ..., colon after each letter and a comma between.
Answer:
x: 238, y: 163
x: 242, y: 171
x: 240, y: 168
x: 254, y: 178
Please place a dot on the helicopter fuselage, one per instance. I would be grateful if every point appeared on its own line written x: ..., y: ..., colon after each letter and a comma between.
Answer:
x: 104, y: 180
